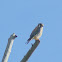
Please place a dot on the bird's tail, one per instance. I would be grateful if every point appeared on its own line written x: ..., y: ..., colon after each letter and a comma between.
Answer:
x: 28, y: 40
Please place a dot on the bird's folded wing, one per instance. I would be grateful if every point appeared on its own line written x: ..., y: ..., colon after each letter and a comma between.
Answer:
x: 35, y: 32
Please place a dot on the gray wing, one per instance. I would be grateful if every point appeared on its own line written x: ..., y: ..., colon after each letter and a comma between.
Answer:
x: 35, y: 32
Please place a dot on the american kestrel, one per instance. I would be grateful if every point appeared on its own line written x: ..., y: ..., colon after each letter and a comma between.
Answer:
x: 36, y: 33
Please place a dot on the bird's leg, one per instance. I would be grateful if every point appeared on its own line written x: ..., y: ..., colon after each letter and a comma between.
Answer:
x: 38, y: 40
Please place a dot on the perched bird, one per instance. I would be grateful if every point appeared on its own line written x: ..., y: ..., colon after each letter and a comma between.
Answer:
x: 36, y: 33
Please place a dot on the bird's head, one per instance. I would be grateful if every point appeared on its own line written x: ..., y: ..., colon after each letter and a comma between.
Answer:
x: 40, y: 25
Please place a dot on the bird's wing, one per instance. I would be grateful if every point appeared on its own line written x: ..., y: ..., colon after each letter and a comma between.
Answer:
x: 34, y: 32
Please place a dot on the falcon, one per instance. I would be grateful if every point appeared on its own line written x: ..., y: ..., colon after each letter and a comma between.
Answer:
x: 36, y: 33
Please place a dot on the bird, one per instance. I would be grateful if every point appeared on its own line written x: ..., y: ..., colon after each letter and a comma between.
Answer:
x: 36, y: 33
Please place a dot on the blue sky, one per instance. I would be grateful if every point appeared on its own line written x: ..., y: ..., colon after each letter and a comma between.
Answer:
x: 21, y: 17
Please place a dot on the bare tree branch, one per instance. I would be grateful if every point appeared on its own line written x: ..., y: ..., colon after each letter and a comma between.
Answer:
x: 8, y: 48
x: 31, y: 50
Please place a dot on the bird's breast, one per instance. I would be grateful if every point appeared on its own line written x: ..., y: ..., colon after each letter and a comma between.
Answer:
x: 41, y: 30
x: 39, y: 34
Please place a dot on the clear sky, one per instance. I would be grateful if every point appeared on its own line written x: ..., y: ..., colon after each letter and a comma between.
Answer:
x: 21, y: 17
